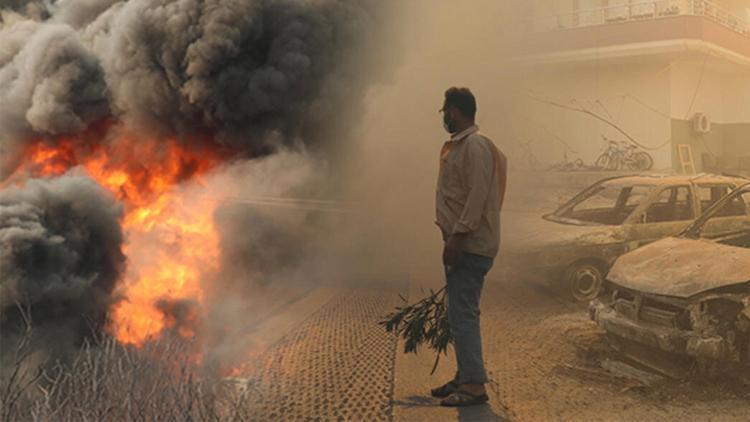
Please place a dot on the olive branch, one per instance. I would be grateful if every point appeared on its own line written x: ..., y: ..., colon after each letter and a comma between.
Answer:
x: 422, y: 323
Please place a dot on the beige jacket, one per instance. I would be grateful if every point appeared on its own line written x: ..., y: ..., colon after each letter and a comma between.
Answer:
x: 467, y: 199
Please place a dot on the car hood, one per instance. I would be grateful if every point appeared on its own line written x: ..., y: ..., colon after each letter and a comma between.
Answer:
x: 534, y: 235
x: 681, y: 267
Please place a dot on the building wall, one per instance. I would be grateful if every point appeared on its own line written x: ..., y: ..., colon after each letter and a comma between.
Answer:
x: 654, y: 101
x: 633, y: 96
x: 737, y: 110
x: 726, y: 146
x: 741, y: 8
x: 737, y: 146
x: 722, y: 92
x: 652, y: 94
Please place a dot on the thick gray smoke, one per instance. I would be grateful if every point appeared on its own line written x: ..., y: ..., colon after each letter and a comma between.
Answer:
x: 60, y: 253
x: 50, y: 83
x: 249, y: 74
x: 250, y: 77
x: 35, y: 9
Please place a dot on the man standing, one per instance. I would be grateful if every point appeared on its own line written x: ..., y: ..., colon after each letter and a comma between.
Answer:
x: 470, y: 193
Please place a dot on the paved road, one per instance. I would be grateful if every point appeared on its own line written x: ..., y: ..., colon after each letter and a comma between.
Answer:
x: 329, y: 360
x: 543, y: 356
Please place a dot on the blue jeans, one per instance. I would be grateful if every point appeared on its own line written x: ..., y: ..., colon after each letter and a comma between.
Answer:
x: 464, y: 281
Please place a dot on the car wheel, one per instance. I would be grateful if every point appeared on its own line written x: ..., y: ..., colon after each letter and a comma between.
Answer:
x: 583, y: 281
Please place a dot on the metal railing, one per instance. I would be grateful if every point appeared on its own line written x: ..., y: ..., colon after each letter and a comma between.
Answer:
x: 628, y: 11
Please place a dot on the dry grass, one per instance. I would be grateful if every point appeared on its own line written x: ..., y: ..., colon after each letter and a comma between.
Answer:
x: 108, y: 381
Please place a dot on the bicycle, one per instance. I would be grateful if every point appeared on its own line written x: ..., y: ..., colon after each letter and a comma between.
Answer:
x: 623, y: 155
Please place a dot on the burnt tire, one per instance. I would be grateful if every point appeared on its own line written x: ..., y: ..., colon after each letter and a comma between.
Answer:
x: 583, y: 281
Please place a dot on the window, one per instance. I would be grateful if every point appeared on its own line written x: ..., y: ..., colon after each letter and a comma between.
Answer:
x: 636, y: 195
x: 734, y: 208
x: 709, y: 194
x: 608, y: 204
x: 729, y: 231
x: 672, y: 204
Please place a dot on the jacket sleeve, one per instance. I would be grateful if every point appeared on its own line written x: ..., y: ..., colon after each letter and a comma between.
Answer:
x: 478, y: 167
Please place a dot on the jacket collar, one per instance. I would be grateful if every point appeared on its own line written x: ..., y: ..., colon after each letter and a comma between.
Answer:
x: 464, y: 133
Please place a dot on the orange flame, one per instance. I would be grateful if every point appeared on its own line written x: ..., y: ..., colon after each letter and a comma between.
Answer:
x: 172, y: 244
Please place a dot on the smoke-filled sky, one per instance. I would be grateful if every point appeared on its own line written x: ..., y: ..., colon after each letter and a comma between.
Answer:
x: 250, y: 74
x: 394, y: 171
x: 252, y: 77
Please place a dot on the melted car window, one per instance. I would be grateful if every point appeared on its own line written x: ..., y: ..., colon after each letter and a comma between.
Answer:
x: 609, y: 205
x: 673, y: 204
x: 737, y: 206
x: 709, y: 194
x: 637, y: 195
x: 730, y: 231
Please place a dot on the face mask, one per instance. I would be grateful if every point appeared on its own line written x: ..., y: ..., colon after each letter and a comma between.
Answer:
x: 448, y: 123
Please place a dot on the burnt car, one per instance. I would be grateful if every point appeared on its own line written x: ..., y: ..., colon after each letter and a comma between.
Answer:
x: 577, y: 244
x: 686, y: 296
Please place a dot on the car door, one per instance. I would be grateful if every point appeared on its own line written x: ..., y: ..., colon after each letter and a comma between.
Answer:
x: 733, y: 217
x: 710, y: 193
x: 669, y: 211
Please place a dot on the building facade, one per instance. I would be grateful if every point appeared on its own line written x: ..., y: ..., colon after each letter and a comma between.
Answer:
x: 674, y: 75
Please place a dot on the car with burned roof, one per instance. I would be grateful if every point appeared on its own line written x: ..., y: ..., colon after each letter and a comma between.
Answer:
x: 574, y: 247
x: 685, y: 299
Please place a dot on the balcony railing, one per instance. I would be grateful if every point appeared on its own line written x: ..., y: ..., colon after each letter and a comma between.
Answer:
x: 627, y: 11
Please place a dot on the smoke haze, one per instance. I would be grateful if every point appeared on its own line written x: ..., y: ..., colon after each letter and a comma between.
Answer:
x: 281, y: 79
x: 287, y: 86
x: 260, y: 77
x: 60, y: 254
x: 247, y: 74
x: 394, y: 171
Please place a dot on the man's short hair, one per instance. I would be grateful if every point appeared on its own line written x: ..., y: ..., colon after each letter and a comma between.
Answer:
x: 462, y: 99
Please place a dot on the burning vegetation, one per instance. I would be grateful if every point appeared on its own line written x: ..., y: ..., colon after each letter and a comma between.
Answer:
x: 129, y: 133
x: 114, y: 116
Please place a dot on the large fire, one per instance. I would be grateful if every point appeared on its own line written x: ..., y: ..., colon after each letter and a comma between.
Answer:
x: 171, y: 241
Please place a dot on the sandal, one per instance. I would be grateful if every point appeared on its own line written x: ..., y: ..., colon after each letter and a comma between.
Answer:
x: 445, y: 390
x: 461, y: 398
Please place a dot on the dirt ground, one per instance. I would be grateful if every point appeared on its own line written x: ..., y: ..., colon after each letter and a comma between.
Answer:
x: 545, y: 356
x: 327, y: 359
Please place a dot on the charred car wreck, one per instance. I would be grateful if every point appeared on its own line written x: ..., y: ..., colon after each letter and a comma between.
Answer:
x: 610, y: 218
x: 686, y: 297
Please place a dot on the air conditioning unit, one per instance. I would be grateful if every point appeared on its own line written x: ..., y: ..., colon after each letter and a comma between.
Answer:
x: 701, y: 123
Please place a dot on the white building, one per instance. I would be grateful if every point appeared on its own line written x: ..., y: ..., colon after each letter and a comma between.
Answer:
x: 650, y: 67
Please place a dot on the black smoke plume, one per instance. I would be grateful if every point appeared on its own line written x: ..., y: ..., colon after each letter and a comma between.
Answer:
x: 251, y: 75
x: 60, y: 255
